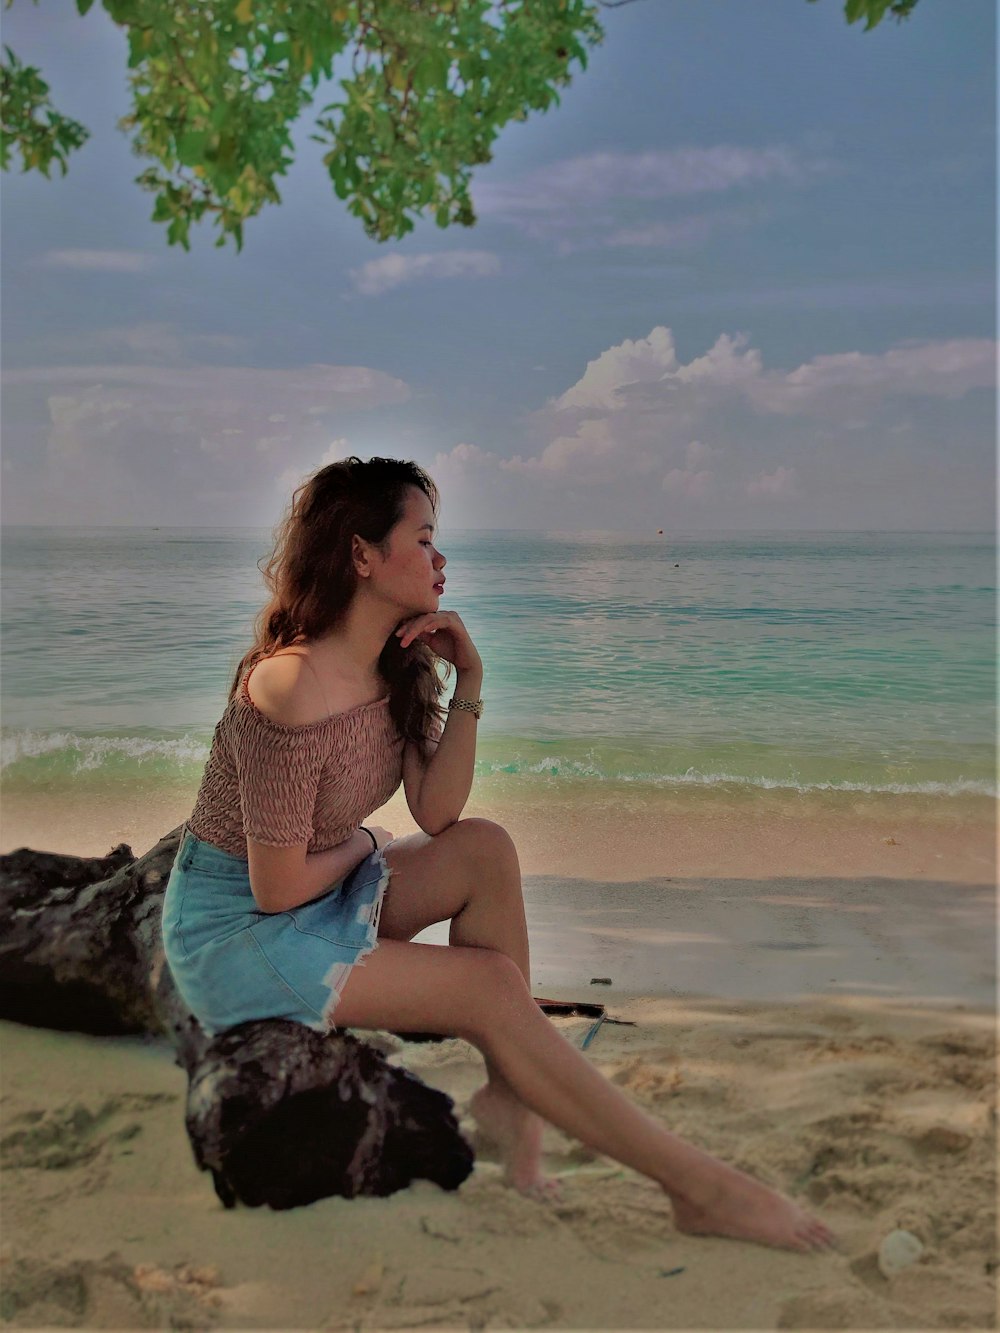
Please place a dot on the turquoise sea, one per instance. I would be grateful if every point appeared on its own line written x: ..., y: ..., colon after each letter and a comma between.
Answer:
x: 725, y: 664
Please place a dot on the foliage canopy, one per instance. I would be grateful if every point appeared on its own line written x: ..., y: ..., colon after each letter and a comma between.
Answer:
x: 217, y: 84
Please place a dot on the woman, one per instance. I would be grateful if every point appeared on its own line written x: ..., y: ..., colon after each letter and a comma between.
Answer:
x: 276, y: 906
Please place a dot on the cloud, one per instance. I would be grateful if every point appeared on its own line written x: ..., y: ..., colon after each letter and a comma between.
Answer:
x: 293, y: 477
x: 595, y: 178
x: 123, y: 437
x: 579, y: 201
x: 645, y: 374
x: 103, y: 261
x: 593, y: 454
x: 629, y: 362
x: 381, y: 275
x: 693, y: 481
x: 721, y: 430
x: 679, y: 233
x: 781, y: 484
x: 945, y: 369
x: 283, y: 389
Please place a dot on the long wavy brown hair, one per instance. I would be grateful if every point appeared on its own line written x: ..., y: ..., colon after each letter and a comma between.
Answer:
x: 311, y: 576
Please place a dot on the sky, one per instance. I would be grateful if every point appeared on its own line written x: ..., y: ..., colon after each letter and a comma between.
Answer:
x: 743, y: 278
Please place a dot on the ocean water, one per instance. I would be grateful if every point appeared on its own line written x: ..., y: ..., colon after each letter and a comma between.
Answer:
x: 718, y: 665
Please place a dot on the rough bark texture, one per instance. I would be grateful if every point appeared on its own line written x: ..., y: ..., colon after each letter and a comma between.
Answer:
x: 279, y: 1114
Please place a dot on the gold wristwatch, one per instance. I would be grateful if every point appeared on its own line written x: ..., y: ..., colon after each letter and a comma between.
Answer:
x: 472, y: 707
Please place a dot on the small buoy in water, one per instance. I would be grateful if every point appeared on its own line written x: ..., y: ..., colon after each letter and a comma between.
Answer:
x: 889, y: 842
x: 659, y: 532
x: 899, y: 1250
x: 600, y: 981
x: 676, y: 566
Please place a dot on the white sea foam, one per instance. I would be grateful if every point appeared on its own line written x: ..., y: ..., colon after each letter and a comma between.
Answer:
x: 94, y: 752
x: 70, y: 755
x: 560, y: 767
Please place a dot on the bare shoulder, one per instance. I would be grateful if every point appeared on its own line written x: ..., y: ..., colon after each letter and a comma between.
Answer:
x: 284, y: 689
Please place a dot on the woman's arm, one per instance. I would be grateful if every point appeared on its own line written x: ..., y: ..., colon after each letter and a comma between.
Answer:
x: 447, y: 779
x: 284, y: 877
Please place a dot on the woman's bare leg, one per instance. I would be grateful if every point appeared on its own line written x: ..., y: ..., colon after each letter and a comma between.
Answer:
x: 493, y: 918
x: 469, y: 875
x: 480, y: 995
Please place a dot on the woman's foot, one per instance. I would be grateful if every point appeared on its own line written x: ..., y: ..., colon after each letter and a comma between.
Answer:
x: 517, y: 1132
x: 736, y: 1205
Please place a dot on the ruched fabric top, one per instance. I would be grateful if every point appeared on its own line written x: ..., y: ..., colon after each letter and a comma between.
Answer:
x: 284, y: 785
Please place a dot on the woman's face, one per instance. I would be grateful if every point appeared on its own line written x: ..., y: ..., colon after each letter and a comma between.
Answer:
x: 414, y: 565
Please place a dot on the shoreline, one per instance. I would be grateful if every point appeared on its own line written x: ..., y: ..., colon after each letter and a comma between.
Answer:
x: 589, y: 836
x: 755, y: 902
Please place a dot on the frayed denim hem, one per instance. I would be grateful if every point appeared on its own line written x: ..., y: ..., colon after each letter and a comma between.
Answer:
x: 369, y: 914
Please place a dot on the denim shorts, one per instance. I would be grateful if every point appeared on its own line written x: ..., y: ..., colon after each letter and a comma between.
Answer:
x: 232, y: 962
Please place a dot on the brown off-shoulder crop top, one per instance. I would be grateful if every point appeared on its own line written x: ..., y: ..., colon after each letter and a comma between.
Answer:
x: 283, y: 785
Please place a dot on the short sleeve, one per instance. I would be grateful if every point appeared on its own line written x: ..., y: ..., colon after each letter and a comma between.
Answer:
x: 278, y: 772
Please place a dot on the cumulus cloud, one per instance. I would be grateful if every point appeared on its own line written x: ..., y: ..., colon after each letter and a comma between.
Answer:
x: 720, y: 428
x: 594, y: 453
x: 646, y: 373
x: 381, y: 275
x: 629, y: 362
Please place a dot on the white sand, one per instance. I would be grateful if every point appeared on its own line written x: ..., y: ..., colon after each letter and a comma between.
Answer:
x: 868, y: 1093
x: 876, y: 1115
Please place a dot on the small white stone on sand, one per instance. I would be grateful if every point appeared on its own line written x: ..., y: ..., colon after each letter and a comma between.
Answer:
x: 898, y: 1251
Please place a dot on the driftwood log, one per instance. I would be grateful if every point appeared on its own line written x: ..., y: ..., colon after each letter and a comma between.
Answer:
x: 279, y: 1114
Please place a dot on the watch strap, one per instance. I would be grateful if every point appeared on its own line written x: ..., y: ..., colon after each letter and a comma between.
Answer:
x: 471, y: 706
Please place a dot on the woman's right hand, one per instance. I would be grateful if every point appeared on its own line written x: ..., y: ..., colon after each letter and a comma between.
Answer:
x: 382, y: 835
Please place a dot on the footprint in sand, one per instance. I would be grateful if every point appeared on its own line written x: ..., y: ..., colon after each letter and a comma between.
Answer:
x: 658, y: 1082
x: 835, y: 1309
x: 106, y: 1293
x: 68, y: 1136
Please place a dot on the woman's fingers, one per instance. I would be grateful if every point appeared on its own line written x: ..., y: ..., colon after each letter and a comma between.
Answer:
x: 407, y: 633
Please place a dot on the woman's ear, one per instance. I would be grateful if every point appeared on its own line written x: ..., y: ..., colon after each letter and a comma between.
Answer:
x: 360, y: 556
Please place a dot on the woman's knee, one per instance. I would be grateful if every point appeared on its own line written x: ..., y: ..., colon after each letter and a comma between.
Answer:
x: 497, y: 993
x: 486, y: 837
x: 455, y: 990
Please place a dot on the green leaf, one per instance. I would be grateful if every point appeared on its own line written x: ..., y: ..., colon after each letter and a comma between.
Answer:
x: 217, y: 89
x: 191, y: 146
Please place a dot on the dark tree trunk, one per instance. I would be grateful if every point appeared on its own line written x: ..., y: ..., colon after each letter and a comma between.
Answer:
x: 280, y: 1114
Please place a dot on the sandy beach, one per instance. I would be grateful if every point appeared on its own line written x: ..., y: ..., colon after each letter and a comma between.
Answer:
x: 795, y: 993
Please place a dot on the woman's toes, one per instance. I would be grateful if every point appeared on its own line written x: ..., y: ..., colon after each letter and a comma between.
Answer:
x: 821, y: 1231
x: 545, y: 1191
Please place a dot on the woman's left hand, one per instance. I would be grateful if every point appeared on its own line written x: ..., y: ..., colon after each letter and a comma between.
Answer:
x: 445, y: 635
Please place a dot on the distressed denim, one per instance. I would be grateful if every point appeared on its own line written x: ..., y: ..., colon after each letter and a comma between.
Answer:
x: 233, y: 963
